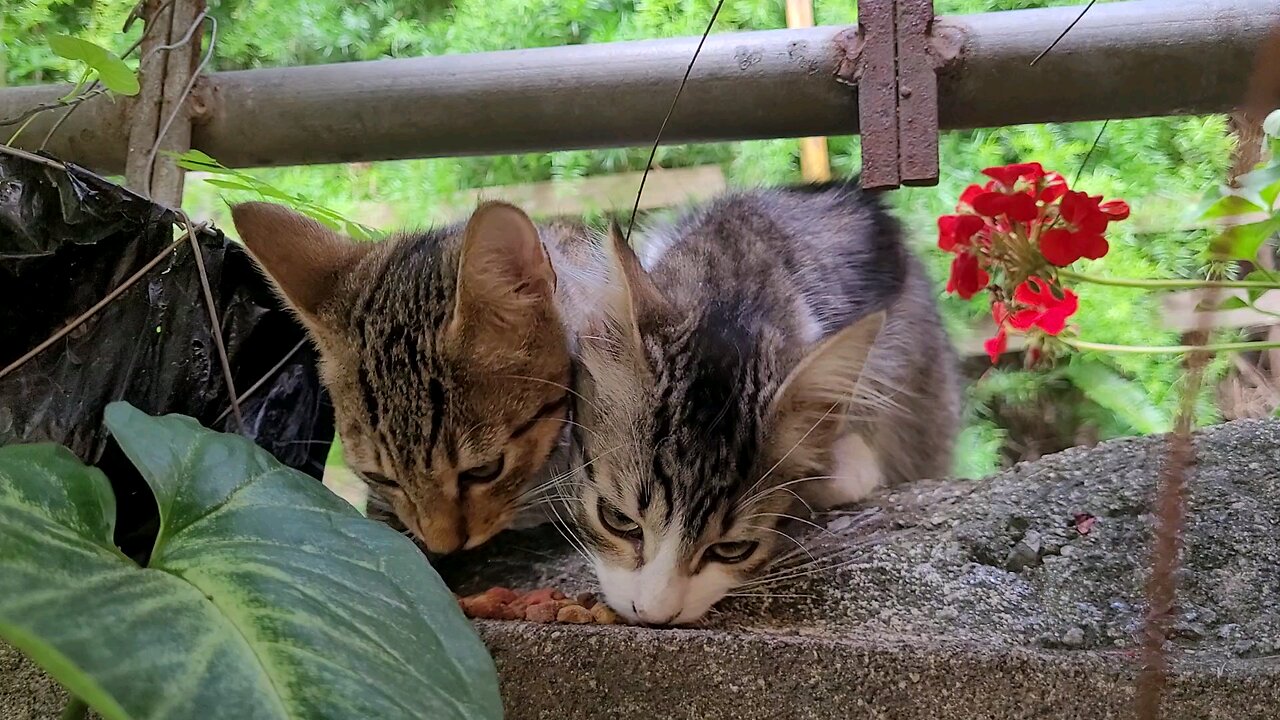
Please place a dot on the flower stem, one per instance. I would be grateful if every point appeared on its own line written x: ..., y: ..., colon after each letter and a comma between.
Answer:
x: 1170, y: 349
x: 1169, y: 284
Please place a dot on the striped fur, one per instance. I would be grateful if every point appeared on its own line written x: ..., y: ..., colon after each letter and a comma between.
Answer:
x: 777, y: 338
x: 446, y: 352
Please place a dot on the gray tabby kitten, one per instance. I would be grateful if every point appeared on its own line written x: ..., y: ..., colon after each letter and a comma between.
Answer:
x: 783, y: 344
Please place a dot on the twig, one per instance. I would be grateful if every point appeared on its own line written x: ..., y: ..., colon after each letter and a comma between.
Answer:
x: 182, y: 99
x: 32, y: 157
x: 263, y: 380
x: 1058, y: 39
x: 80, y: 320
x: 215, y: 323
x: 635, y: 209
x: 28, y: 114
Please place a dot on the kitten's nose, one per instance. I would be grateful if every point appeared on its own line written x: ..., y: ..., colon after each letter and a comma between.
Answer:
x: 648, y: 618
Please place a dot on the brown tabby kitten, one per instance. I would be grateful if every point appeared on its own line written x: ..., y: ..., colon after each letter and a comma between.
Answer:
x: 783, y: 345
x: 446, y: 353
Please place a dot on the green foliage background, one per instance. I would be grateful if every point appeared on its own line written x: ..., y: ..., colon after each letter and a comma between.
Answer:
x: 1162, y: 166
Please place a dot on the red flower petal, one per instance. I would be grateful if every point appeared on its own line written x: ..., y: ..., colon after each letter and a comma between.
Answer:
x: 1021, y: 207
x: 966, y: 197
x: 989, y: 203
x: 956, y: 230
x: 1055, y: 186
x: 1091, y: 246
x: 999, y: 312
x: 1009, y: 175
x: 1024, y: 319
x: 967, y: 278
x: 1081, y: 210
x: 996, y: 346
x: 1035, y: 292
x: 1059, y: 247
x: 1115, y: 210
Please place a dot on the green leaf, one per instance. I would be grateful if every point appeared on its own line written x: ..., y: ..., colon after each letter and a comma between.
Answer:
x: 1242, y: 242
x: 265, y: 596
x: 112, y: 71
x: 1226, y: 204
x: 1264, y: 183
x: 1259, y: 275
x: 229, y: 184
x: 1271, y: 125
x: 1231, y: 303
x: 1118, y: 394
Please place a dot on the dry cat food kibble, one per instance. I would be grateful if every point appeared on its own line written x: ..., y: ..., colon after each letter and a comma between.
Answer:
x: 544, y: 605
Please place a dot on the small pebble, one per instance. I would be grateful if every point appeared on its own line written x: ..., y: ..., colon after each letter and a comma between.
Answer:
x: 1073, y: 638
x: 575, y: 614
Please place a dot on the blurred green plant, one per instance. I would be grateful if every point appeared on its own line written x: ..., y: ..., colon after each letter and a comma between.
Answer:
x: 230, y: 179
x: 1162, y: 165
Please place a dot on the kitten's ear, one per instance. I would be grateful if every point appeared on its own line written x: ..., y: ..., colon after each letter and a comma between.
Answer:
x: 305, y: 259
x: 504, y: 271
x: 629, y: 292
x: 814, y: 401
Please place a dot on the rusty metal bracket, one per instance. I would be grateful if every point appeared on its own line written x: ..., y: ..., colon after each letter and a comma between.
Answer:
x: 892, y: 59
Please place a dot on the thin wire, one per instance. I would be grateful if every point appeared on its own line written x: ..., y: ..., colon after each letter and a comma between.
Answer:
x: 134, y: 278
x: 1057, y: 40
x: 191, y: 31
x: 1088, y: 155
x: 635, y: 209
x: 263, y: 380
x: 215, y: 323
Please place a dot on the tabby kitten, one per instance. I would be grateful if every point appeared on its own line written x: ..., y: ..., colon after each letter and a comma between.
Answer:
x: 783, y: 345
x: 447, y: 355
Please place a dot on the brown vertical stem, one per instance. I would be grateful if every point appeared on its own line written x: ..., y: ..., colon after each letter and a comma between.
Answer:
x: 1170, y: 512
x: 1263, y: 94
x: 144, y: 118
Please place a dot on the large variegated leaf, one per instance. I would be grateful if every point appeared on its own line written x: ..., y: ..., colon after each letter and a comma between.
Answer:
x: 265, y: 596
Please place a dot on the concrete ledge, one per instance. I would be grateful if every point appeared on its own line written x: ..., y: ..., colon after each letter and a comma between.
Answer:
x: 1017, y: 596
x: 618, y: 672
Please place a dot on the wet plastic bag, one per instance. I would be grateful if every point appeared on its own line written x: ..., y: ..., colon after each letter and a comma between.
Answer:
x: 67, y: 239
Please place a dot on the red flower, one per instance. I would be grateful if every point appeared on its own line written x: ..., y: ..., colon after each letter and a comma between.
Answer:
x: 1083, y: 212
x: 1062, y: 247
x: 966, y: 197
x: 1009, y: 175
x: 1115, y: 210
x: 1041, y: 308
x: 1018, y: 206
x: 1054, y: 187
x: 967, y: 277
x: 996, y: 346
x: 957, y: 230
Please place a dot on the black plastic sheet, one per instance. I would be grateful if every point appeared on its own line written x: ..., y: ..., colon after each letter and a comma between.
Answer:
x: 67, y: 239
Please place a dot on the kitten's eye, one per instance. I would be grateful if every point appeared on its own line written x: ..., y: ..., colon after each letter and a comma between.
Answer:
x: 730, y: 553
x: 380, y: 480
x: 618, y: 523
x: 483, y: 473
